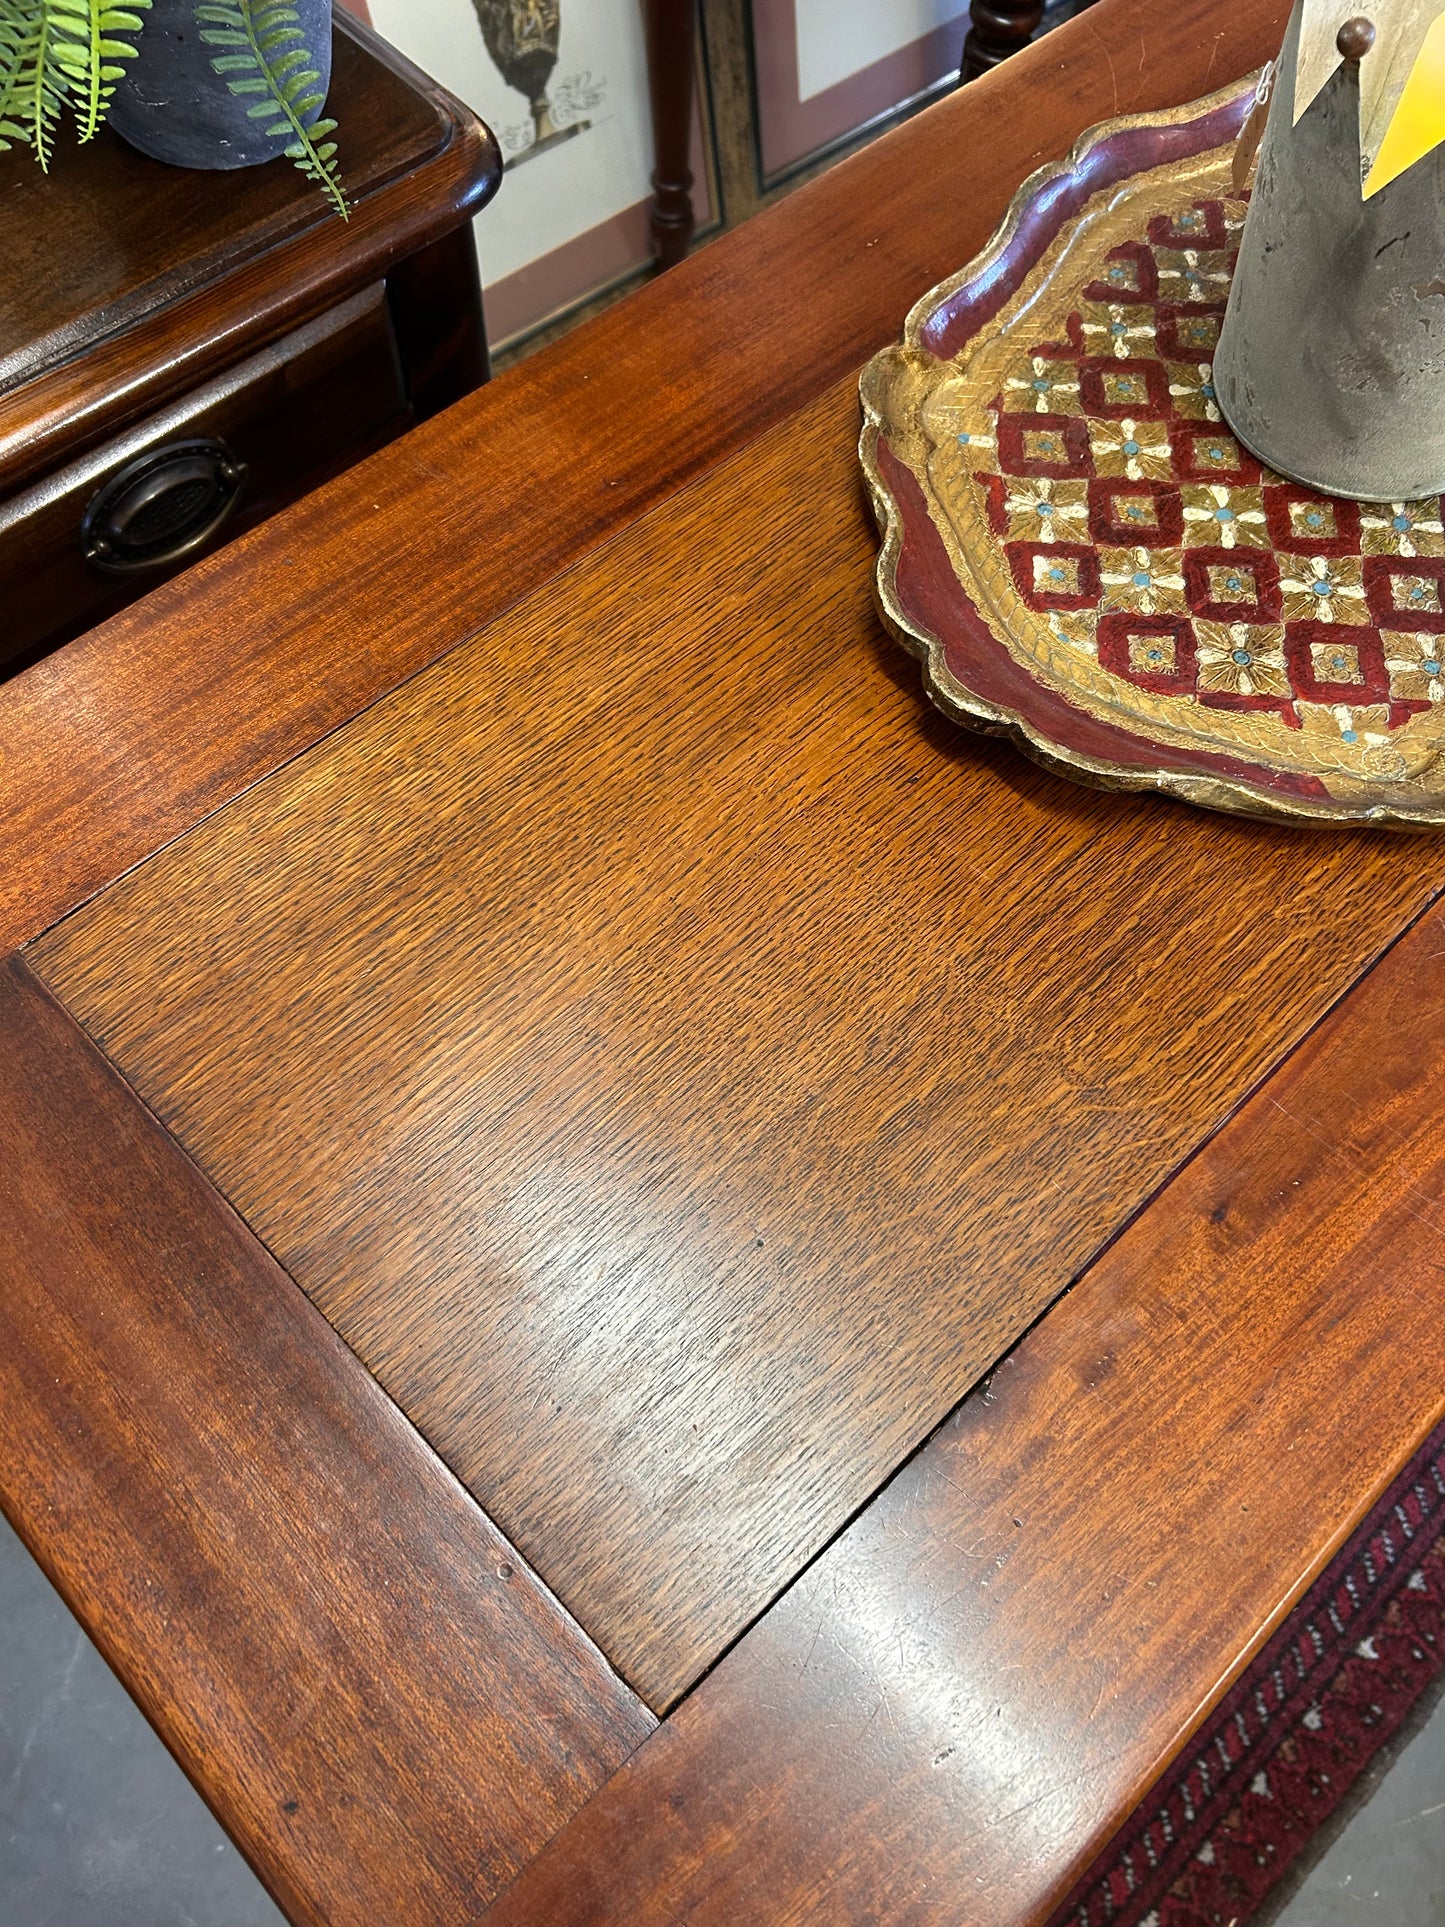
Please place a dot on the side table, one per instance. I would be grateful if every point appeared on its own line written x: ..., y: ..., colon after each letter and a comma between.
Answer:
x: 182, y: 353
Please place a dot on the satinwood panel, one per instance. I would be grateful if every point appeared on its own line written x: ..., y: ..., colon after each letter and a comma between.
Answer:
x: 678, y: 1062
x: 976, y: 1684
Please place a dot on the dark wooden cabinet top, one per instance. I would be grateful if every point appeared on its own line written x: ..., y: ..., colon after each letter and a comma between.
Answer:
x: 108, y: 235
x: 127, y: 281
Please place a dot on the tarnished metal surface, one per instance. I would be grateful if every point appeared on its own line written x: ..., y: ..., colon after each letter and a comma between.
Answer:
x: 1331, y: 363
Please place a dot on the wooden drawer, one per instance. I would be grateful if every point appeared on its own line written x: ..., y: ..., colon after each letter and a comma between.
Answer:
x: 277, y: 424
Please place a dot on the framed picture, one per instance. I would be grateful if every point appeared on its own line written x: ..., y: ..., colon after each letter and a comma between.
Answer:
x: 825, y: 71
x: 563, y: 85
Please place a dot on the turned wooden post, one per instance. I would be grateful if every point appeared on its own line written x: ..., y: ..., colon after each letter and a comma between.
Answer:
x: 996, y: 29
x: 671, y: 31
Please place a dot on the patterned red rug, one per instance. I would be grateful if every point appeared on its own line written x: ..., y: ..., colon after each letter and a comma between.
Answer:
x: 1238, y: 1808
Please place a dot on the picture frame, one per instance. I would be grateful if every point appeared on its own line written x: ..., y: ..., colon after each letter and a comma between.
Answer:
x: 564, y: 86
x: 828, y: 72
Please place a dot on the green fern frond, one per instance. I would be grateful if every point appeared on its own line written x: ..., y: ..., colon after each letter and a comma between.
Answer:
x: 272, y: 61
x: 59, y: 53
x: 88, y: 52
x: 46, y: 89
x: 19, y: 29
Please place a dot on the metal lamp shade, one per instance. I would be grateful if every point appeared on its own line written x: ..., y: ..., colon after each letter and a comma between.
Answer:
x: 1331, y: 361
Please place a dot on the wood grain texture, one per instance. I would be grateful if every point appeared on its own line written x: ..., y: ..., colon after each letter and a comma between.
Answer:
x: 131, y: 735
x: 170, y: 275
x: 678, y: 1062
x: 386, y: 1710
x: 949, y: 1714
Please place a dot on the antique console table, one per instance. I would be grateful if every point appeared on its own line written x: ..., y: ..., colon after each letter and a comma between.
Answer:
x: 182, y: 353
x: 639, y: 1283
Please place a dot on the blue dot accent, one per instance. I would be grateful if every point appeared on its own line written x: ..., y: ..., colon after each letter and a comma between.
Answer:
x: 1041, y: 384
x: 1142, y: 579
x: 1431, y: 668
x: 1234, y: 585
x: 1401, y: 522
x: 1056, y: 575
x: 1314, y: 520
x: 1243, y: 657
x: 964, y: 440
x: 1131, y: 448
x: 1224, y: 515
x: 1156, y: 655
x: 1118, y: 328
x: 1045, y: 508
x: 1322, y: 588
x: 1207, y: 389
x: 1349, y: 736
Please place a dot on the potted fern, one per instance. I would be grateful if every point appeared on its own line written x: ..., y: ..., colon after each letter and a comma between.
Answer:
x: 197, y: 83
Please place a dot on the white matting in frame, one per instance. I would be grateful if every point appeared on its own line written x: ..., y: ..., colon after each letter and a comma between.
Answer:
x: 827, y: 68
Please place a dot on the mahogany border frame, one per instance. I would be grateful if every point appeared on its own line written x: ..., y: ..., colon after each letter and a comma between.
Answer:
x: 981, y: 1676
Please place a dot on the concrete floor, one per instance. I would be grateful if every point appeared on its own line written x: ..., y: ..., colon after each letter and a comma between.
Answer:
x: 1387, y: 1867
x: 99, y: 1827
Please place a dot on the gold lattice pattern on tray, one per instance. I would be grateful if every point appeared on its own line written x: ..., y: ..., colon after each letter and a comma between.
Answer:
x: 1135, y: 558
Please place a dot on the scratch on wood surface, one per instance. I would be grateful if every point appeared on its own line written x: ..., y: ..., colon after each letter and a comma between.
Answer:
x: 1105, y: 1665
x: 1046, y: 1793
x: 1109, y: 58
x: 1337, y: 1149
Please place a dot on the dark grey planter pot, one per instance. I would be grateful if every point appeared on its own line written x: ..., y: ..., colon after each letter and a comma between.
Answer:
x: 175, y: 107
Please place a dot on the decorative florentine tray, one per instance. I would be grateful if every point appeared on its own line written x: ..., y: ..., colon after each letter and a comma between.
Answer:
x: 1087, y: 560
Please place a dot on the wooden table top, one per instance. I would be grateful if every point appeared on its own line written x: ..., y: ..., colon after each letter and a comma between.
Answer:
x: 676, y: 1063
x: 570, y: 964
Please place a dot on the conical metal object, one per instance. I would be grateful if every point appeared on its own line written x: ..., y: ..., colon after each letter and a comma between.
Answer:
x: 1331, y: 361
